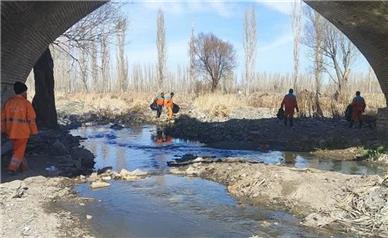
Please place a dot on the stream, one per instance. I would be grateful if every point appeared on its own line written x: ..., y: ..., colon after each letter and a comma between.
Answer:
x: 165, y: 205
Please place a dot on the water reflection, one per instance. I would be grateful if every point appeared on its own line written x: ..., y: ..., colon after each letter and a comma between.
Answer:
x: 149, y: 148
x: 289, y: 158
x: 171, y: 206
x: 160, y: 138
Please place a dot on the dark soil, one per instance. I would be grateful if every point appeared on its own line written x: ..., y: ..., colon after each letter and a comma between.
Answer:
x: 308, y: 134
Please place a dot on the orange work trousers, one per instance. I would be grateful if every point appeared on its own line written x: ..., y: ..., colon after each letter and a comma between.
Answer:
x: 170, y: 114
x: 18, y: 150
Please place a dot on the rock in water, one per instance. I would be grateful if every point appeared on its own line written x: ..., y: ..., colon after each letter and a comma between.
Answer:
x: 99, y: 184
x: 116, y: 127
x: 138, y: 172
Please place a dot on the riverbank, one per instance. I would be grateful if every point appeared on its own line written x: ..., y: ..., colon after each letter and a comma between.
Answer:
x: 349, y: 203
x: 226, y: 121
x: 51, y: 153
x: 28, y: 200
x: 328, y: 138
x: 28, y: 208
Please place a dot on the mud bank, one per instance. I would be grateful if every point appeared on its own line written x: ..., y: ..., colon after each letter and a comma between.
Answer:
x: 308, y: 134
x: 28, y: 208
x: 51, y: 152
x: 350, y: 203
x: 28, y: 200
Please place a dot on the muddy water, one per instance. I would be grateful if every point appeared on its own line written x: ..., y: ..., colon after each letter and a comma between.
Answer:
x: 164, y: 205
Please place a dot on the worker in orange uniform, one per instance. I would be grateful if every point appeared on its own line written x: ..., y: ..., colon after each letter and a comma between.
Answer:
x: 289, y: 103
x: 169, y: 104
x: 159, y: 100
x: 18, y: 123
x: 358, y: 107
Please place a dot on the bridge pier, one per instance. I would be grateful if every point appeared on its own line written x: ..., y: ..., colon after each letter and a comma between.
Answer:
x: 44, y: 100
x: 382, y: 122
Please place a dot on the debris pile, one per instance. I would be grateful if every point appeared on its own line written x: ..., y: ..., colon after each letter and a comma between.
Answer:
x: 55, y: 152
x: 324, y: 199
x: 101, y: 178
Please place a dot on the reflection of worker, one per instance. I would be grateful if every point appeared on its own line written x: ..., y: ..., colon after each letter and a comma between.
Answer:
x: 18, y: 123
x: 161, y: 138
x: 289, y: 158
x: 169, y: 104
x: 159, y: 100
x: 358, y: 107
x: 289, y: 103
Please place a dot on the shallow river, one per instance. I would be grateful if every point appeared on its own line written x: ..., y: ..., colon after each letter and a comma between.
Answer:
x: 165, y: 205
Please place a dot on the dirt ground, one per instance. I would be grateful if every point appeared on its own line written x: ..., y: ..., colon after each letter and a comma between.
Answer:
x: 27, y: 210
x: 27, y: 199
x: 330, y: 136
x: 349, y: 203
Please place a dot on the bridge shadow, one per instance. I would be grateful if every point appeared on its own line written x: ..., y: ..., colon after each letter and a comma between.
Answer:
x: 308, y: 134
x: 50, y: 153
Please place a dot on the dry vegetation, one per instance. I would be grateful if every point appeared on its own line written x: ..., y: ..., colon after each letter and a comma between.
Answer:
x: 212, y: 104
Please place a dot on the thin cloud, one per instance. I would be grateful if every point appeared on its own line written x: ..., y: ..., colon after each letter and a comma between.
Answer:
x: 181, y: 7
x: 282, y: 40
x: 283, y: 7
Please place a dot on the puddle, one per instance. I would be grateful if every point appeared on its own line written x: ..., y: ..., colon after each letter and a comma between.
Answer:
x: 165, y: 205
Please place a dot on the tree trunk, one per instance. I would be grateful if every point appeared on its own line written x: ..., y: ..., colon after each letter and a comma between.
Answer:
x: 44, y: 100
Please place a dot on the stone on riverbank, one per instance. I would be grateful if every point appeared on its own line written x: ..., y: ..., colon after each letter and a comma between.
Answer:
x: 99, y: 184
x: 323, y: 198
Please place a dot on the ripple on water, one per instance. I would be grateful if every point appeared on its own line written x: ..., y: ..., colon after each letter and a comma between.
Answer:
x: 172, y: 206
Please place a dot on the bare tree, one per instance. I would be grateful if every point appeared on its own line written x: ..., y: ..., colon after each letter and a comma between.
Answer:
x: 338, y: 51
x: 213, y: 57
x: 94, y: 66
x: 86, y: 34
x: 341, y: 53
x: 161, y: 46
x: 314, y: 39
x: 100, y: 23
x: 296, y: 28
x: 105, y: 64
x: 249, y: 44
x: 192, y: 73
x: 122, y: 62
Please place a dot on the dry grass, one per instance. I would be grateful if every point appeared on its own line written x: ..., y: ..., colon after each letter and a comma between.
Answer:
x: 217, y: 104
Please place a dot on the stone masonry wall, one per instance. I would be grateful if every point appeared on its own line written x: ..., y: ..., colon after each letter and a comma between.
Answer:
x: 382, y: 122
x: 27, y: 28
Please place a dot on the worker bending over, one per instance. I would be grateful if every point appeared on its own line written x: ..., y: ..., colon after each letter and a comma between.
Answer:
x: 18, y: 123
x: 159, y: 100
x: 289, y: 103
x: 358, y: 107
x: 169, y: 104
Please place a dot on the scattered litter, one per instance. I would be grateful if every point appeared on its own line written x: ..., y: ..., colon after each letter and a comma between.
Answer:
x: 99, y: 184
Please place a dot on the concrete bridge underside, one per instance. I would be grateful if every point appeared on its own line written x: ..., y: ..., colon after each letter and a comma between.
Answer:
x: 27, y: 28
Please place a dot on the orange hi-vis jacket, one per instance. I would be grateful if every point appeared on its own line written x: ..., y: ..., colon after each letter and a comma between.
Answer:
x: 168, y: 102
x: 358, y: 107
x: 159, y: 101
x: 290, y: 104
x: 18, y: 118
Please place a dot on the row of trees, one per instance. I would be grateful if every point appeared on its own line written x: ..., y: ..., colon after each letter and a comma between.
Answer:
x: 83, y: 55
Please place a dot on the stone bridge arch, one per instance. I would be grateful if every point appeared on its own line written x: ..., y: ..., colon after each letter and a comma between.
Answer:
x: 365, y: 23
x: 29, y: 27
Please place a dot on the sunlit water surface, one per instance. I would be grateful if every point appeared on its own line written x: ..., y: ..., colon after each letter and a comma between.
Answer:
x: 165, y: 205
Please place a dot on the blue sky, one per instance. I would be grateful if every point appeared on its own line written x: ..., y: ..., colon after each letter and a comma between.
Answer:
x: 225, y: 20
